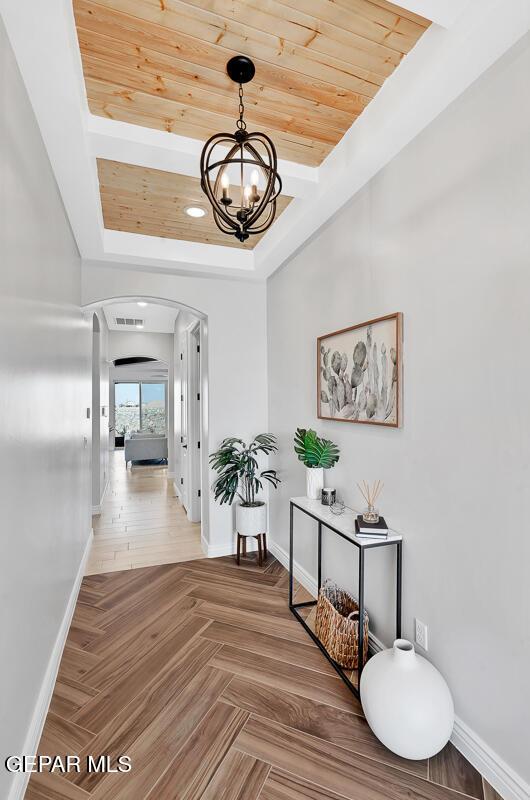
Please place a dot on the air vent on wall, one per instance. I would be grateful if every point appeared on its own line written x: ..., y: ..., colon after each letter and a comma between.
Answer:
x: 128, y: 321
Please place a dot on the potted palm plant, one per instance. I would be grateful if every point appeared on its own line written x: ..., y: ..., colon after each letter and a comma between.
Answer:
x: 239, y: 476
x: 317, y: 454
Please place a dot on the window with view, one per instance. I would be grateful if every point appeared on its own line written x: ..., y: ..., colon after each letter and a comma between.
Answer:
x: 139, y: 407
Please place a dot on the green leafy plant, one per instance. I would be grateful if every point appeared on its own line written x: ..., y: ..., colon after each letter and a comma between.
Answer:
x: 314, y: 451
x: 238, y: 468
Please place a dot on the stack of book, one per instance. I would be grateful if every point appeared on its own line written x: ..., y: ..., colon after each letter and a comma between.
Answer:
x: 371, y: 530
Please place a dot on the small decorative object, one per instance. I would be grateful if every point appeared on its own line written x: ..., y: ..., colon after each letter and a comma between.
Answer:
x: 328, y: 496
x: 337, y: 625
x: 338, y: 508
x: 250, y: 165
x: 370, y: 494
x: 359, y: 373
x: 406, y: 702
x: 317, y: 454
x: 237, y: 465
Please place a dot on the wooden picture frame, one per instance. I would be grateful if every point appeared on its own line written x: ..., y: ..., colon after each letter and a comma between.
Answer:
x: 359, y: 373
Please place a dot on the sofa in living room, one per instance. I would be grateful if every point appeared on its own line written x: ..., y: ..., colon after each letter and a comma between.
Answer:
x: 145, y: 446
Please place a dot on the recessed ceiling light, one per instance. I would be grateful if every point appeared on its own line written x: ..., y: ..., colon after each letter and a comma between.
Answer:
x: 140, y: 327
x: 141, y: 303
x: 195, y: 211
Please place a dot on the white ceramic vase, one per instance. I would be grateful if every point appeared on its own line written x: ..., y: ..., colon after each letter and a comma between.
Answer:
x: 406, y: 702
x: 314, y: 482
x: 251, y: 520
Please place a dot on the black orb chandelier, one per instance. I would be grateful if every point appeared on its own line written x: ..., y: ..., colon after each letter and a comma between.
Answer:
x: 248, y: 171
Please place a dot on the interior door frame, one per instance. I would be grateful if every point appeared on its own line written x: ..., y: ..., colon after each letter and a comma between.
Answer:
x: 191, y: 421
x: 110, y: 299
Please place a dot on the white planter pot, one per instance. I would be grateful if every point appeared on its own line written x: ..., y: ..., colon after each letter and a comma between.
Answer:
x: 251, y: 520
x: 406, y: 702
x: 314, y: 482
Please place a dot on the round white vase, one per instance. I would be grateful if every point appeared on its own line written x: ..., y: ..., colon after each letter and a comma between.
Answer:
x: 314, y: 482
x: 406, y: 702
x: 251, y: 520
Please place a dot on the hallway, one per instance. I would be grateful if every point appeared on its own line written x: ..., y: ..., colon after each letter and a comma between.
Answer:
x: 142, y: 522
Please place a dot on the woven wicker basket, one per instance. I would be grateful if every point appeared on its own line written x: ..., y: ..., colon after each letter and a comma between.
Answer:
x: 337, y: 625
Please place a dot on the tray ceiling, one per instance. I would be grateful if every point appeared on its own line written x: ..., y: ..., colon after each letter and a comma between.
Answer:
x: 161, y: 64
x: 186, y: 45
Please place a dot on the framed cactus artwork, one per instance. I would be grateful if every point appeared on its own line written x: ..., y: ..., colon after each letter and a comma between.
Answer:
x: 359, y: 373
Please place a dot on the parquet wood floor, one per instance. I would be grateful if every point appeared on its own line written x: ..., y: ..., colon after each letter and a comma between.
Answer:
x: 200, y: 675
x: 141, y: 523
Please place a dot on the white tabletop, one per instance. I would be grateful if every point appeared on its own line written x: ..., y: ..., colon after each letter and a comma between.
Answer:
x: 345, y: 522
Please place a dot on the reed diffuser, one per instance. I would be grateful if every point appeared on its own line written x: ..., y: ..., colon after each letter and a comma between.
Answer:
x: 370, y: 494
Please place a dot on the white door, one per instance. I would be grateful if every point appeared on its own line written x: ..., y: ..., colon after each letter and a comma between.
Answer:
x: 184, y: 417
x: 194, y: 424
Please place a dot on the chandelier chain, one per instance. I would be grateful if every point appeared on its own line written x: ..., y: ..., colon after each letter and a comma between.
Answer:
x: 241, y: 124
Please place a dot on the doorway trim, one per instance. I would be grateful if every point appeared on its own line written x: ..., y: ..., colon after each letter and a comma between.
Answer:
x: 95, y: 305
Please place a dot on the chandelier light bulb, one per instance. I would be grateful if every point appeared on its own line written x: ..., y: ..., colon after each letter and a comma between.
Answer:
x: 226, y: 200
x: 254, y: 178
x: 247, y: 194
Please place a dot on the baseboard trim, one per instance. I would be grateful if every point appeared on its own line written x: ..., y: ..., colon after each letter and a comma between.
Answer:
x: 96, y: 510
x: 491, y: 766
x: 177, y: 490
x: 21, y: 779
x: 218, y: 550
x: 301, y: 574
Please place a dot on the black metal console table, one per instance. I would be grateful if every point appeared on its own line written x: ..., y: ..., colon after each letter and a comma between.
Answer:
x: 344, y: 526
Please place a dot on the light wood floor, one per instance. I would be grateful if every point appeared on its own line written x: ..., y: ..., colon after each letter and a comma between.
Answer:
x: 199, y: 673
x: 142, y: 522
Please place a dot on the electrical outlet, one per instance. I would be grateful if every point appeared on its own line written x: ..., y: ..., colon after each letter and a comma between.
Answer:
x: 421, y: 635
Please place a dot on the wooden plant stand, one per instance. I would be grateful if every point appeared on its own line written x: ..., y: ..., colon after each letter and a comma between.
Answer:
x: 262, y: 547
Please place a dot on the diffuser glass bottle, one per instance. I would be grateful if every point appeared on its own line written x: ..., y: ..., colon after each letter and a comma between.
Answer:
x: 370, y: 494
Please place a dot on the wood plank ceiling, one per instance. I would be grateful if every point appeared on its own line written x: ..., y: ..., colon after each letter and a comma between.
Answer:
x: 153, y: 202
x: 161, y: 64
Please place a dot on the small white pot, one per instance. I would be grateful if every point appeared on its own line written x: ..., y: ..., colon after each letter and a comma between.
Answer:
x: 314, y: 482
x: 407, y: 702
x: 251, y: 520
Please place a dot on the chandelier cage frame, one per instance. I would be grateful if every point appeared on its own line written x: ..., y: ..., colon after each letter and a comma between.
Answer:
x: 255, y: 211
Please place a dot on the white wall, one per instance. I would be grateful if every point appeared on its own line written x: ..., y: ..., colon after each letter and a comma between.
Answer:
x: 443, y: 235
x: 234, y: 355
x: 45, y: 370
x: 125, y: 344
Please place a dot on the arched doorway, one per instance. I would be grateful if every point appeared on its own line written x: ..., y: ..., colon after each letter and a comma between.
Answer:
x: 187, y: 397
